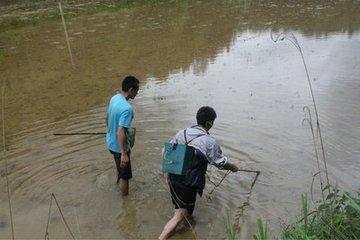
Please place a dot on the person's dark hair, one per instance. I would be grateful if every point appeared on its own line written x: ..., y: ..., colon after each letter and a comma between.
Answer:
x: 205, y: 114
x: 129, y: 82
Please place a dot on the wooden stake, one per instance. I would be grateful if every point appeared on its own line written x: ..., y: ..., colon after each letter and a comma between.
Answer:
x: 6, y: 165
x: 66, y: 34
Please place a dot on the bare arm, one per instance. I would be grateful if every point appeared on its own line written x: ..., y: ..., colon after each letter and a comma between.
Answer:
x: 121, y: 136
x: 219, y: 160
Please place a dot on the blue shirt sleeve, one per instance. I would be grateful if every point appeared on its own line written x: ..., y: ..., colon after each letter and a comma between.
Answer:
x: 126, y: 118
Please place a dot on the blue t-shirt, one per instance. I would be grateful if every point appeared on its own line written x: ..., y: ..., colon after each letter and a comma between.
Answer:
x: 119, y: 114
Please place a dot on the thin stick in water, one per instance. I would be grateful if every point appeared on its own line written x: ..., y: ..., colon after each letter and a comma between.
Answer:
x: 47, y: 237
x: 6, y: 165
x: 79, y: 133
x: 240, y: 170
x: 77, y: 222
x: 293, y: 40
x: 217, y: 185
x: 66, y: 34
x: 309, y: 120
x: 62, y: 216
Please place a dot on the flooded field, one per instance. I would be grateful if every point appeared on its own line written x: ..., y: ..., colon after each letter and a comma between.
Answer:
x: 187, y: 54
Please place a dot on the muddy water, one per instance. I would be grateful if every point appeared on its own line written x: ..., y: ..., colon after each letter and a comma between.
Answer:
x: 187, y: 55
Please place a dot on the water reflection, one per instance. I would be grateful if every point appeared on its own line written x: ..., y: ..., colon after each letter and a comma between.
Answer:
x: 41, y: 86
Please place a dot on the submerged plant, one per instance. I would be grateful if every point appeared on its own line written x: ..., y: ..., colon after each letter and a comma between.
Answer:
x: 230, y: 228
x: 262, y: 232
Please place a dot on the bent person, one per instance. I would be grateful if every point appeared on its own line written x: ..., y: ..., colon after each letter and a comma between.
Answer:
x: 184, y: 188
x: 120, y: 134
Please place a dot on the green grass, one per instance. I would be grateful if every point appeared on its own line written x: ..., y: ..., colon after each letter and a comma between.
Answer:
x: 232, y: 234
x: 2, y: 55
x: 230, y: 228
x: 336, y: 217
x: 32, y: 15
x: 262, y: 232
x: 33, y: 12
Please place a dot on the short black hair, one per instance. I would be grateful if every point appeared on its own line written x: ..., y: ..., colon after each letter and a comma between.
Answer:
x: 129, y: 82
x: 205, y: 114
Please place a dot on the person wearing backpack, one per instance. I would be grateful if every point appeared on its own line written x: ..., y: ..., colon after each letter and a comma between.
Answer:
x: 204, y: 150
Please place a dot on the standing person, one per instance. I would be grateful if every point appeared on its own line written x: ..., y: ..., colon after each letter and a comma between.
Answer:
x: 183, y: 188
x: 119, y: 116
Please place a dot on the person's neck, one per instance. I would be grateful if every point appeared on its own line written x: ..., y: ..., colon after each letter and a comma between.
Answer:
x: 125, y: 94
x: 203, y: 128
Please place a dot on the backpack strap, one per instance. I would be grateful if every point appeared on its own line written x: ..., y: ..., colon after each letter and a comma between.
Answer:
x: 187, y: 142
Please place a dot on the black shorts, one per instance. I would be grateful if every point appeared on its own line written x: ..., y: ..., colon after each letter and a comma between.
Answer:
x: 182, y: 196
x: 124, y: 173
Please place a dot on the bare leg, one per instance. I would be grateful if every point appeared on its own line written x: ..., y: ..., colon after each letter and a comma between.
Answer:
x: 118, y: 167
x: 172, y: 223
x: 184, y: 224
x: 124, y: 187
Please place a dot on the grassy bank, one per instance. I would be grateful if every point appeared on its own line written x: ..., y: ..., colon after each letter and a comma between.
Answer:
x: 309, y: 17
x: 337, y: 216
x: 33, y: 12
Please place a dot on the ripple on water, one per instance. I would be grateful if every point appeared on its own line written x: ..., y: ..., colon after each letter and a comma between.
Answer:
x: 258, y: 89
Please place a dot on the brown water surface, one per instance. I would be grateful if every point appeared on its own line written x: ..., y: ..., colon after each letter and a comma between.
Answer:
x: 187, y: 55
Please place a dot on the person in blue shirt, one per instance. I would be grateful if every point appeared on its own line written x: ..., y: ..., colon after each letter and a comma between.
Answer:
x: 119, y: 117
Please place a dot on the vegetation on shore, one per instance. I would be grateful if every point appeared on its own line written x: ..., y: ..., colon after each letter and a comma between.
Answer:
x: 32, y: 12
x: 337, y: 216
x: 323, y: 16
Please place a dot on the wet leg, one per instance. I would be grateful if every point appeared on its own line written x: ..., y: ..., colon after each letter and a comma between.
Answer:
x: 172, y: 223
x: 124, y: 187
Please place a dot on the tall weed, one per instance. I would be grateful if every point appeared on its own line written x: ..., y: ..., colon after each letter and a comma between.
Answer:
x: 335, y: 217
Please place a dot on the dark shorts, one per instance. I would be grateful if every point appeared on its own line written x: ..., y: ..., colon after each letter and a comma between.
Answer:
x: 183, y: 196
x: 124, y: 173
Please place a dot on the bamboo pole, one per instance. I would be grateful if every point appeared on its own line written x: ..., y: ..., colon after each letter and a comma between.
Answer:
x: 66, y: 35
x: 240, y: 170
x: 79, y: 133
x: 52, y: 197
x: 77, y: 222
x: 6, y: 165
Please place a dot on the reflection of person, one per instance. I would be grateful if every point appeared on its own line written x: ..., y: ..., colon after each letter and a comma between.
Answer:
x: 183, y: 188
x: 119, y: 118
